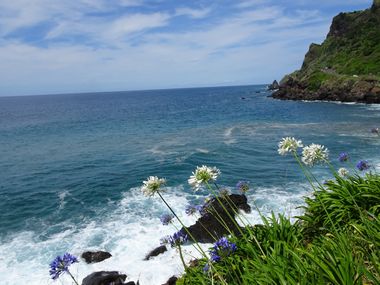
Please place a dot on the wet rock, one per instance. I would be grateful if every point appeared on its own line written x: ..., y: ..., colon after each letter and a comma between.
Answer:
x: 104, y: 278
x: 218, y: 218
x: 171, y: 281
x: 95, y: 256
x: 274, y: 85
x: 155, y: 252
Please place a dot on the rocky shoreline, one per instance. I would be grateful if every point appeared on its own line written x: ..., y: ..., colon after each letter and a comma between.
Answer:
x: 217, y: 215
x: 360, y: 91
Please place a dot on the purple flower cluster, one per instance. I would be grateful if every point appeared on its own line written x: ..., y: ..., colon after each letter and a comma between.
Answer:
x: 343, y: 157
x: 166, y: 219
x: 192, y: 209
x: 242, y: 186
x: 222, y: 248
x: 363, y: 165
x: 178, y: 238
x: 61, y: 265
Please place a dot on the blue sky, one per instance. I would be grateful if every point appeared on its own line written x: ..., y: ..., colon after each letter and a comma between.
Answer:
x: 68, y: 46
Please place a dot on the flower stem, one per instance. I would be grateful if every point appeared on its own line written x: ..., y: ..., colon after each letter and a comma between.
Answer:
x: 72, y: 277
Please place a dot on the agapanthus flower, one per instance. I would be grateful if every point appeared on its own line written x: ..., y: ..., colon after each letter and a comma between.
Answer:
x: 206, y: 268
x: 314, y: 154
x: 343, y: 157
x: 166, y: 219
x: 190, y: 210
x: 178, y: 238
x: 288, y: 144
x: 224, y: 192
x: 193, y: 209
x: 61, y: 265
x: 202, y: 175
x: 222, y: 248
x: 363, y: 165
x: 242, y: 186
x: 343, y: 172
x: 152, y: 185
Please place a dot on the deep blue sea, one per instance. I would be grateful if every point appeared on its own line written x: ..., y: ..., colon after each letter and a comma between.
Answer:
x: 71, y: 167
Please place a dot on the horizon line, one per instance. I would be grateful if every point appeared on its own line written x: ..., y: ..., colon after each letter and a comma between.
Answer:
x: 133, y: 90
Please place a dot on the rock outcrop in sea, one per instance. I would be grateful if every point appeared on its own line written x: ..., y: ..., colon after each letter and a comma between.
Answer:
x: 345, y: 67
x: 218, y: 218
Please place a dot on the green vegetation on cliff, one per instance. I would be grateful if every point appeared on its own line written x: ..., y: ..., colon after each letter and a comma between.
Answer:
x: 346, y: 66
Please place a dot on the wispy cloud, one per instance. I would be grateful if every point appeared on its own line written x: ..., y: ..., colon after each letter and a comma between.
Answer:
x: 251, y: 3
x: 193, y: 13
x: 136, y: 23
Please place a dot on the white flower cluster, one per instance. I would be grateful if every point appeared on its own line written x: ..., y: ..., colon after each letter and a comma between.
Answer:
x: 202, y: 175
x: 288, y: 144
x: 152, y: 185
x: 314, y: 154
x: 343, y: 172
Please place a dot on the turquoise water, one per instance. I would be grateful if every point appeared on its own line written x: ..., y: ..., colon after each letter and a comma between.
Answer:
x: 71, y: 165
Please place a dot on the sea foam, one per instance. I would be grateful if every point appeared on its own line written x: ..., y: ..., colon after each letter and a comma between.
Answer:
x: 128, y: 232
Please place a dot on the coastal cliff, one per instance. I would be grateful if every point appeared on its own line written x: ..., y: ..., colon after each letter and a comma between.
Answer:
x: 345, y: 67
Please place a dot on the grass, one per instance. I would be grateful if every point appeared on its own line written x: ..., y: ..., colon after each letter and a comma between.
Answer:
x: 335, y: 241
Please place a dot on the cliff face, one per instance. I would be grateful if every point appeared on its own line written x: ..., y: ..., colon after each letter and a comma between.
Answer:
x: 345, y: 67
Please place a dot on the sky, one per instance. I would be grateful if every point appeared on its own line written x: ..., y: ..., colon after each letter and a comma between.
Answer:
x: 73, y: 46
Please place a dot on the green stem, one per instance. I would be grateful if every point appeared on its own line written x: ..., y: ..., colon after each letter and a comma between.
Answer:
x: 181, y: 257
x: 312, y: 185
x: 224, y: 208
x: 198, y: 247
x: 72, y: 277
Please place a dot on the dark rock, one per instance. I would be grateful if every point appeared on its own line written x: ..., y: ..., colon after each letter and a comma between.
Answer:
x: 95, y: 256
x: 155, y: 252
x: 104, y: 278
x: 217, y: 220
x: 273, y: 86
x: 172, y: 281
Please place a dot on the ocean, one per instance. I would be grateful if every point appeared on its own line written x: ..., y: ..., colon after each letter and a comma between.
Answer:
x: 71, y: 168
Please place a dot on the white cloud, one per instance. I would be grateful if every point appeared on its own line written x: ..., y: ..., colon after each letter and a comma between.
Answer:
x: 250, y: 3
x: 136, y: 23
x: 192, y: 13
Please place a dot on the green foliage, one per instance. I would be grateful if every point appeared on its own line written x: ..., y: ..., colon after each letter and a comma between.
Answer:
x: 341, y: 203
x: 352, y: 47
x: 316, y: 79
x: 336, y: 241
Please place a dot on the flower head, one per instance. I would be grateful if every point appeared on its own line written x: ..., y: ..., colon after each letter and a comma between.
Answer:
x: 224, y: 192
x: 166, y: 219
x: 314, y: 154
x: 178, y: 238
x: 222, y: 248
x: 61, y: 265
x: 343, y: 157
x: 206, y: 268
x: 343, y: 172
x: 242, y: 186
x: 363, y: 165
x: 192, y: 209
x: 202, y: 175
x: 288, y: 144
x: 152, y: 185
